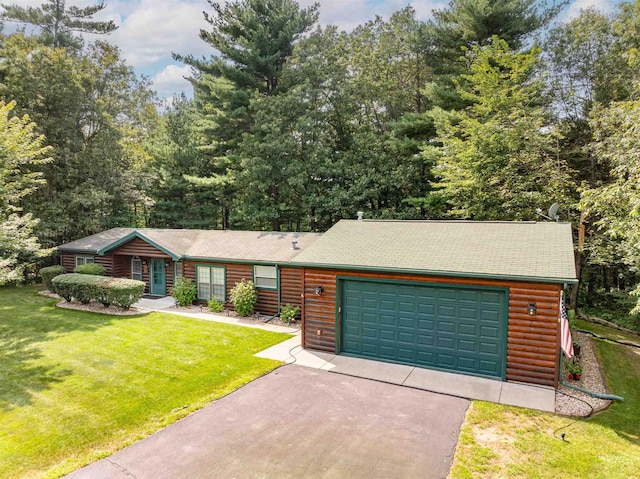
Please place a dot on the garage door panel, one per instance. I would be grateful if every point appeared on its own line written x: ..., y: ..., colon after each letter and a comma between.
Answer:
x: 489, y: 348
x: 446, y: 361
x: 446, y: 311
x: 468, y: 329
x: 369, y: 332
x: 406, y: 338
x: 490, y: 368
x: 467, y: 312
x: 451, y: 328
x: 446, y: 326
x: 407, y: 322
x: 445, y: 343
x: 493, y: 297
x: 467, y: 364
x: 425, y: 324
x: 467, y: 345
x: 370, y: 303
x: 425, y: 339
x: 488, y: 315
x: 490, y: 332
x: 386, y: 319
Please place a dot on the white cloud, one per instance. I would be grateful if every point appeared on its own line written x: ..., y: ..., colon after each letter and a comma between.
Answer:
x: 172, y: 80
x: 605, y: 6
x: 347, y: 15
x: 156, y: 28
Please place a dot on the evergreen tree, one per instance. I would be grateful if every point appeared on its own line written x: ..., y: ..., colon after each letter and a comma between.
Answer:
x: 57, y: 23
x: 254, y: 39
x: 454, y: 30
x: 498, y: 159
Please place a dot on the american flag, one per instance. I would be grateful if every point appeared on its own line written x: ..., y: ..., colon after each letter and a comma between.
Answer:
x: 565, y: 333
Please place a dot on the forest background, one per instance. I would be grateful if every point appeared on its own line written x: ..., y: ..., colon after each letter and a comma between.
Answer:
x: 491, y: 110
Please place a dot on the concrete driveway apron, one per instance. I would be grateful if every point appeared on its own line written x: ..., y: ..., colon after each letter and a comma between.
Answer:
x: 301, y: 423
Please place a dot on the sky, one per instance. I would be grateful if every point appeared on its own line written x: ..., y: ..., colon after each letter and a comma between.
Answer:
x: 151, y: 30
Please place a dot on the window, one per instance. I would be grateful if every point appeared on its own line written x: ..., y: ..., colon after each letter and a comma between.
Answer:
x: 265, y: 277
x: 82, y: 260
x: 210, y: 283
x: 136, y: 269
x: 177, y: 270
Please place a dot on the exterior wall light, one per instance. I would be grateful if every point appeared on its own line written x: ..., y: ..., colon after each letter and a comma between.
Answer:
x: 318, y: 290
x: 531, y: 309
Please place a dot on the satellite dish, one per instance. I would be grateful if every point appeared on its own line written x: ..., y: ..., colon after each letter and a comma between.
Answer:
x: 553, y: 211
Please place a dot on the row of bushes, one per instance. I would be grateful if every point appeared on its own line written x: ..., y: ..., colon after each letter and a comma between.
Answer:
x: 106, y: 290
x: 47, y: 274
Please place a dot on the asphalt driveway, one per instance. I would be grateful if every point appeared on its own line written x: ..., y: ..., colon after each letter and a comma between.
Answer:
x: 296, y: 423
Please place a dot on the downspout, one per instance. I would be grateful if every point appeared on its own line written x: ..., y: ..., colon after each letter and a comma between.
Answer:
x: 609, y: 397
x: 278, y: 279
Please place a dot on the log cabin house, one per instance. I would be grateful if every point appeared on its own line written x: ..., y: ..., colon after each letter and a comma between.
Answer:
x: 477, y: 298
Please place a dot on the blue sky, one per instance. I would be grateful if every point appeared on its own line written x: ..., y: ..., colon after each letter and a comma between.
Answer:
x: 150, y: 30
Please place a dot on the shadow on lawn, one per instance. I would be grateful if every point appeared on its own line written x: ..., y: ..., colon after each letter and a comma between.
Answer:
x: 26, y: 320
x: 622, y: 364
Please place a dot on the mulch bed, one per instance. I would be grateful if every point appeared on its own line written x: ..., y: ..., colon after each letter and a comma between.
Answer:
x: 92, y: 307
x: 202, y: 309
x: 227, y: 313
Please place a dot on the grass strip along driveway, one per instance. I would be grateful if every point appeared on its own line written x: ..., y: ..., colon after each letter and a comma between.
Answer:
x: 501, y: 441
x: 77, y: 386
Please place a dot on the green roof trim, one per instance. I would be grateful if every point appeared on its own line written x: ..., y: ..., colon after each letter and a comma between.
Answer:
x: 236, y: 261
x: 447, y: 274
x: 133, y: 235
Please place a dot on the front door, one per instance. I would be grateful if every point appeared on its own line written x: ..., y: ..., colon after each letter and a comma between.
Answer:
x: 158, y: 278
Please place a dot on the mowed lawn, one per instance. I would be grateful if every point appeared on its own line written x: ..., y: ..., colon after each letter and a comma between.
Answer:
x: 77, y: 386
x: 508, y: 442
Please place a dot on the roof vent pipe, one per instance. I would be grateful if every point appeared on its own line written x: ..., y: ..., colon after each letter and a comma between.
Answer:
x: 360, y: 215
x: 294, y: 245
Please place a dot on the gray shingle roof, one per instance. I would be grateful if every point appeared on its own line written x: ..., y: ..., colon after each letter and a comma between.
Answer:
x: 93, y: 243
x: 256, y: 246
x: 515, y: 250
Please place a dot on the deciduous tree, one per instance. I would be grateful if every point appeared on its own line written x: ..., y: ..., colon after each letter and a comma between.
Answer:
x: 22, y: 156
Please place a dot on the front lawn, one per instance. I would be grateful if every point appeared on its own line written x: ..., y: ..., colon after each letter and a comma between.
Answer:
x: 77, y: 386
x: 502, y: 441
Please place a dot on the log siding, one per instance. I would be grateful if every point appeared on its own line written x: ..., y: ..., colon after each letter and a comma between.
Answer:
x: 68, y: 261
x: 533, y: 342
x: 139, y: 247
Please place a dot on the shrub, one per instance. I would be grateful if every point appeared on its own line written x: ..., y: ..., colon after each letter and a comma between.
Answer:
x: 63, y: 285
x: 49, y: 273
x: 124, y: 292
x: 91, y: 268
x: 184, y: 291
x: 107, y: 290
x: 216, y: 306
x: 244, y: 297
x: 289, y: 313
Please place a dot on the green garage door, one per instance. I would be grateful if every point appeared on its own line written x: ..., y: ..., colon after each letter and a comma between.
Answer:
x: 453, y: 328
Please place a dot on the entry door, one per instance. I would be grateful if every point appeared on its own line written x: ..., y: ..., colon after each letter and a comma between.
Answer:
x: 158, y: 278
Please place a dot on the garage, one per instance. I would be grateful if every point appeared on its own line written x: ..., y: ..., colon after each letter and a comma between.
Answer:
x: 469, y: 297
x: 442, y: 327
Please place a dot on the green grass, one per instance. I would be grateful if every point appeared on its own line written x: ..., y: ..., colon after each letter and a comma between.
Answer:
x: 620, y: 316
x: 77, y: 386
x: 608, y: 332
x: 502, y: 441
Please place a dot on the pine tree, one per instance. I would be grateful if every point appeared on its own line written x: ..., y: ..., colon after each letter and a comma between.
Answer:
x: 254, y: 39
x: 57, y: 23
